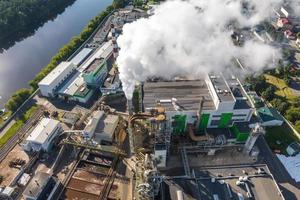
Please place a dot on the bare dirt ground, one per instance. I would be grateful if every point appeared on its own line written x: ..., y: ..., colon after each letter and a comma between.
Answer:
x: 10, y: 173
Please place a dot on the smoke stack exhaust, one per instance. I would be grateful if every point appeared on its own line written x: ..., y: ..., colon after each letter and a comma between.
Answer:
x: 129, y: 107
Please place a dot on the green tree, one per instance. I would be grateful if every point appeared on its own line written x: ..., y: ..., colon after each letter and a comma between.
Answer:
x: 258, y: 83
x: 296, y: 102
x: 119, y: 3
x: 269, y: 93
x: 293, y: 114
x: 280, y: 105
x: 17, y: 99
x: 138, y: 3
x: 287, y: 79
x: 297, y: 125
x: 20, y: 18
x: 287, y: 54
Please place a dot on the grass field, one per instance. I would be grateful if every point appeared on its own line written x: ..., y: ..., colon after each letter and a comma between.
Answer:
x: 283, y: 134
x: 17, y: 125
x: 283, y: 89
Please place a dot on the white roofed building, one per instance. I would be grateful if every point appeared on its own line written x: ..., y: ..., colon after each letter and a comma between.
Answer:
x: 42, y: 135
x: 101, y: 127
x: 104, y: 133
x: 81, y: 56
x: 55, y: 78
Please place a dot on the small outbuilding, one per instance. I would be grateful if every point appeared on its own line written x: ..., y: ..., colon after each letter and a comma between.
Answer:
x: 42, y: 136
x: 270, y: 116
x: 101, y: 127
x: 293, y: 149
x: 104, y: 133
x: 41, y: 187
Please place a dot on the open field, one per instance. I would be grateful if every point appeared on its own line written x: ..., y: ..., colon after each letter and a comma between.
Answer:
x: 283, y: 89
x: 279, y: 138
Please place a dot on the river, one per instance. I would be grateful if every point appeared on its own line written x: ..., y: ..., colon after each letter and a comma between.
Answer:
x: 21, y: 62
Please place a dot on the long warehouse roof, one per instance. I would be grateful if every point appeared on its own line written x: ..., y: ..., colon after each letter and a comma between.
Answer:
x: 56, y: 72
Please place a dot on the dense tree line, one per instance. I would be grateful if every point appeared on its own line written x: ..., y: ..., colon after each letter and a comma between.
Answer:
x: 290, y: 109
x: 17, y: 99
x: 66, y: 51
x: 20, y: 18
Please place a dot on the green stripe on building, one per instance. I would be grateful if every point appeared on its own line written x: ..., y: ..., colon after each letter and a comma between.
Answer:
x: 225, y: 119
x: 203, y: 122
x: 240, y: 136
x: 179, y: 124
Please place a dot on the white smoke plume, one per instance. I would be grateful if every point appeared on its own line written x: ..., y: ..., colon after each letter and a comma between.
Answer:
x: 191, y: 38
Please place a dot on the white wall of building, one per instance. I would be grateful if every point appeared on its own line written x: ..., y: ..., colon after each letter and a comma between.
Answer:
x: 55, y: 78
x: 42, y: 135
x: 212, y: 91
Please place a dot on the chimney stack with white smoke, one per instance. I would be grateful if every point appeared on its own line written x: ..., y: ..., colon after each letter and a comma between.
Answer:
x: 192, y: 38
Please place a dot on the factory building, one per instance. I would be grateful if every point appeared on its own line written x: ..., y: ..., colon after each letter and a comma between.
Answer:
x: 88, y: 75
x: 105, y: 52
x: 76, y: 89
x: 49, y: 85
x: 96, y: 72
x: 41, y: 187
x: 112, y: 84
x: 41, y: 138
x: 230, y: 101
x: 101, y: 127
x: 79, y: 58
x: 203, y: 109
x: 214, y: 103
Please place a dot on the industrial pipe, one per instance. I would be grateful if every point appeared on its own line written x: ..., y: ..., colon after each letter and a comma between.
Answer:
x: 194, y: 137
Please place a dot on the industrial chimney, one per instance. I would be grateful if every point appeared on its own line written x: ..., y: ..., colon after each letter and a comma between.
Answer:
x: 129, y: 107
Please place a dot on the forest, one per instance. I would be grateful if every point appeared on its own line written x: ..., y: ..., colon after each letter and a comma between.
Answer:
x: 20, y: 18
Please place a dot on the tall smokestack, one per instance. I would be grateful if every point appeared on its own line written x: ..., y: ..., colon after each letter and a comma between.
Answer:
x: 129, y: 107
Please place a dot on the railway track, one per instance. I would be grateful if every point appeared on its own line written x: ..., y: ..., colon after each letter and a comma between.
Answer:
x: 109, y: 180
x: 17, y: 138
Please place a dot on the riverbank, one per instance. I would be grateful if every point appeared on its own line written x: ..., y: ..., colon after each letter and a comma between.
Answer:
x: 20, y: 63
x: 64, y: 53
x: 19, y: 22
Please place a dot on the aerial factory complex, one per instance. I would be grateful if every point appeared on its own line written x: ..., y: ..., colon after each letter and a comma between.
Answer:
x: 179, y: 139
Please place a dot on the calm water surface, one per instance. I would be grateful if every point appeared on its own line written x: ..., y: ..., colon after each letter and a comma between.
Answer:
x: 20, y: 63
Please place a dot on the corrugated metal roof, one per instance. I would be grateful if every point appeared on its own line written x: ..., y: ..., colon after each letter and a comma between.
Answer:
x: 188, y: 94
x: 292, y: 165
x: 43, y: 130
x: 102, y: 52
x: 72, y: 85
x: 56, y: 72
x: 94, y: 121
x: 37, y: 184
x: 81, y: 56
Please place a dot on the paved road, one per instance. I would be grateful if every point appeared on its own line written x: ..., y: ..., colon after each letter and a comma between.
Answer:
x: 290, y: 189
x: 3, y: 131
